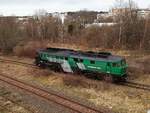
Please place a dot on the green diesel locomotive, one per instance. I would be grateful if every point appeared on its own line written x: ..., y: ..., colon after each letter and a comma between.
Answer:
x: 102, y: 64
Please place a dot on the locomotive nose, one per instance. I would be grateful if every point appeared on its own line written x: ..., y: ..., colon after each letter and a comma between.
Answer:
x: 123, y: 70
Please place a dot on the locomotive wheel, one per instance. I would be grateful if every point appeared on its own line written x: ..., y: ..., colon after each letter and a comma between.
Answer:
x: 109, y: 78
x: 119, y: 79
x: 36, y: 62
x: 122, y: 79
x: 99, y: 76
x: 41, y: 64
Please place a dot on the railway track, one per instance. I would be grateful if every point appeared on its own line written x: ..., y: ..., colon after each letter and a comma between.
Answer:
x: 51, y: 97
x: 18, y: 63
x: 136, y: 85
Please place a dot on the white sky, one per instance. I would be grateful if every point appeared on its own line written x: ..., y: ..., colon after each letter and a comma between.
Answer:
x: 28, y: 7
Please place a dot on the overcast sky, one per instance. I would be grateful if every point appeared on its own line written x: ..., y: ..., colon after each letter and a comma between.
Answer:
x: 28, y: 7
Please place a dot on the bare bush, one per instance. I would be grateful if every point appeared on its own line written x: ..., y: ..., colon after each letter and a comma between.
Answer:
x: 29, y: 49
x: 38, y: 73
x: 80, y: 81
x: 73, y: 81
x: 9, y: 33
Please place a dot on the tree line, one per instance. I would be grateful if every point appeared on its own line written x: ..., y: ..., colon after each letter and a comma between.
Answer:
x: 131, y: 31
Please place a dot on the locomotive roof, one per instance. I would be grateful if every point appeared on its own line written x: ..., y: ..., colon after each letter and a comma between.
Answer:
x: 103, y: 56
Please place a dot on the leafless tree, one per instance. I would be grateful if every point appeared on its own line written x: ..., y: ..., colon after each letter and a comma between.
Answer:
x: 9, y: 33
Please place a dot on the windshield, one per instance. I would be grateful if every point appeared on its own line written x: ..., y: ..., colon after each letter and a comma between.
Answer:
x: 116, y: 64
x: 123, y: 62
x: 119, y: 64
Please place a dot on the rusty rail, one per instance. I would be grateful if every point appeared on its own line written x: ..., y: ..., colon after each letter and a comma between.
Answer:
x: 75, y: 106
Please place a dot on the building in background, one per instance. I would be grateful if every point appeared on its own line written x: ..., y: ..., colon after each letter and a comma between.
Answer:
x: 143, y: 13
x: 62, y: 16
x: 140, y: 12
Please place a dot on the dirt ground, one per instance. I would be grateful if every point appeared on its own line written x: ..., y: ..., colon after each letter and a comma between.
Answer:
x: 9, y: 105
x: 119, y: 99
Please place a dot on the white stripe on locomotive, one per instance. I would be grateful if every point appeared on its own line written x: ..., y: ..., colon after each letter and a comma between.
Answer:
x: 81, y: 66
x: 64, y: 64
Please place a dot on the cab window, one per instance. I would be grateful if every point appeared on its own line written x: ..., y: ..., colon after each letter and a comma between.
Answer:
x: 66, y: 58
x: 61, y: 57
x: 75, y: 59
x: 123, y: 62
x: 92, y: 62
x: 108, y: 64
x: 81, y: 60
x: 116, y: 65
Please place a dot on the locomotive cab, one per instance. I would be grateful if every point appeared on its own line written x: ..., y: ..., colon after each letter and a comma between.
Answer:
x: 119, y: 68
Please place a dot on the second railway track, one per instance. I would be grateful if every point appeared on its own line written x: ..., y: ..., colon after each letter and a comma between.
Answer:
x: 65, y: 102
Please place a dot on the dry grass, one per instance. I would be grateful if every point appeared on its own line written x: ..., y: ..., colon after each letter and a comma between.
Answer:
x: 139, y: 67
x: 80, y: 81
x: 41, y: 72
x: 10, y: 102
